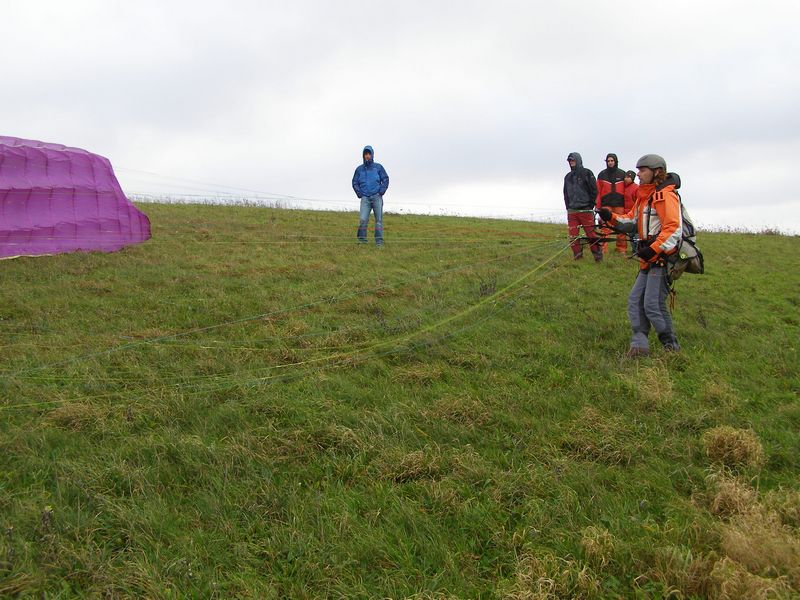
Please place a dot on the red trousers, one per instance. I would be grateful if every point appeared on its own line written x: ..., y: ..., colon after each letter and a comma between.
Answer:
x: 575, y: 220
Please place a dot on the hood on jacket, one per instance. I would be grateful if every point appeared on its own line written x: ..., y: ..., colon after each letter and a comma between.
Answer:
x: 672, y: 179
x: 577, y: 158
x: 370, y: 150
x: 616, y: 160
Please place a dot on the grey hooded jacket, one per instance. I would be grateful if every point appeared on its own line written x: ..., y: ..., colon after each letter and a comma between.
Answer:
x: 580, y: 186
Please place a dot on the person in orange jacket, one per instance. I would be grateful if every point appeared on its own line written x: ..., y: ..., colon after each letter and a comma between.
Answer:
x: 610, y: 188
x: 656, y: 219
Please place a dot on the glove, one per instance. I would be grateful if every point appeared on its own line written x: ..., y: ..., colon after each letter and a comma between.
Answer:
x: 605, y: 214
x: 646, y: 254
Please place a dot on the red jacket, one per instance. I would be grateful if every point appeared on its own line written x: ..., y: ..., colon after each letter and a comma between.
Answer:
x: 610, y: 186
x: 630, y: 195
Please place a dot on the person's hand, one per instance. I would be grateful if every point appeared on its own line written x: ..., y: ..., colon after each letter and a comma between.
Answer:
x: 605, y: 214
x: 646, y: 254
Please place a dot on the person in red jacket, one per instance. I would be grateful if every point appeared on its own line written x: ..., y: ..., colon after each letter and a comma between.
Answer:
x: 610, y: 188
x: 656, y: 218
x: 629, y: 193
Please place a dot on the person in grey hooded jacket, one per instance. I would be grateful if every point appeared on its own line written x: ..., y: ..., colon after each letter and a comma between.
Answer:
x: 370, y: 183
x: 580, y: 192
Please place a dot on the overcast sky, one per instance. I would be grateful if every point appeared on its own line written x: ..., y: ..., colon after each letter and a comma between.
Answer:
x: 472, y: 107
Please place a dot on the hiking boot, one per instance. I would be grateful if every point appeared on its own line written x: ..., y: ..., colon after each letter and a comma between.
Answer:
x: 669, y: 341
x: 577, y: 257
x: 636, y: 352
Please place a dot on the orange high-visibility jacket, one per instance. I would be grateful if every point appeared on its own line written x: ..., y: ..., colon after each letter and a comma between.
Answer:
x: 656, y: 217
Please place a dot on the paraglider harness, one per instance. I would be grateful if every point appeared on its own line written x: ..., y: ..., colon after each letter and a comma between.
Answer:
x: 687, y: 256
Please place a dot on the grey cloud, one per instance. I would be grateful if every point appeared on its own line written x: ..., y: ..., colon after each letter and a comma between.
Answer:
x: 282, y: 96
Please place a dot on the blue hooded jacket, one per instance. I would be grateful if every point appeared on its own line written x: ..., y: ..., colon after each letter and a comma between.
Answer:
x: 370, y: 178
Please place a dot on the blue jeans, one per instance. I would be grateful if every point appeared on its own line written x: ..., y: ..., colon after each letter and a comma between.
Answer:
x: 371, y: 203
x: 647, y: 306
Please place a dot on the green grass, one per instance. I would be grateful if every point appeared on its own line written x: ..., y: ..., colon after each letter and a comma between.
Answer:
x: 251, y: 405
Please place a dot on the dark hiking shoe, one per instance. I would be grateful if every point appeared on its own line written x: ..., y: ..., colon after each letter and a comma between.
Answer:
x: 634, y: 352
x: 669, y: 341
x: 577, y: 257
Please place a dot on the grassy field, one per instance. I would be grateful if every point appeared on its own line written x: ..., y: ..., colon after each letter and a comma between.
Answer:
x: 252, y: 405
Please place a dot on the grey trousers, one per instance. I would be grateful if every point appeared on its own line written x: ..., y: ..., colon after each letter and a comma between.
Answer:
x: 647, y: 305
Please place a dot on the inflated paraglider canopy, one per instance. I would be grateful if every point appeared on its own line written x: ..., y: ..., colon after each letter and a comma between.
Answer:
x: 57, y: 199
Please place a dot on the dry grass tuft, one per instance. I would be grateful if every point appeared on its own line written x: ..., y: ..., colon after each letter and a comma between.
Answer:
x: 733, y: 447
x: 681, y: 572
x: 418, y: 374
x: 338, y: 439
x: 463, y: 411
x: 547, y: 577
x: 444, y: 496
x: 786, y: 505
x: 468, y: 360
x: 598, y: 544
x: 22, y: 585
x: 757, y: 541
x: 421, y: 464
x: 330, y: 439
x: 77, y: 416
x: 431, y: 596
x: 729, y: 495
x: 730, y: 581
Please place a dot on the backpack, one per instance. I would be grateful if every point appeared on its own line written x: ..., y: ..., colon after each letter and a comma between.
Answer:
x: 687, y: 258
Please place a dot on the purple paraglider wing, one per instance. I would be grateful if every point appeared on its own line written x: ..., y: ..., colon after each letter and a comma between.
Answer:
x: 56, y: 199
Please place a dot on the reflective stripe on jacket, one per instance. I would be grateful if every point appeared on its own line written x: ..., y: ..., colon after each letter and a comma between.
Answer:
x: 611, y: 188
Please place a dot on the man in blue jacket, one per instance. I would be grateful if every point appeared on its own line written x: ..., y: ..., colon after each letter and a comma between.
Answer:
x: 370, y: 183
